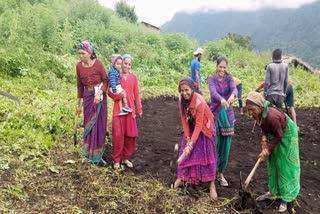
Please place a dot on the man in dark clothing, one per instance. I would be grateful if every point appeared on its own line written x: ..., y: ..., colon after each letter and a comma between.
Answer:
x: 276, y: 80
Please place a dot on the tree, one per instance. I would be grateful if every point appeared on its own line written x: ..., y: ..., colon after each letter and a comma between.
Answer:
x: 125, y: 11
x: 241, y: 40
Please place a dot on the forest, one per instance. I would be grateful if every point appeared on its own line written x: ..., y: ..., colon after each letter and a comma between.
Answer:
x: 296, y: 31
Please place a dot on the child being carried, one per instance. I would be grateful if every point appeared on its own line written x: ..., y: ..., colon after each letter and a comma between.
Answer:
x: 114, y: 83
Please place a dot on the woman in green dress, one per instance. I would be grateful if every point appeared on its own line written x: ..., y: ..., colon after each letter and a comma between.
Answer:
x: 280, y: 147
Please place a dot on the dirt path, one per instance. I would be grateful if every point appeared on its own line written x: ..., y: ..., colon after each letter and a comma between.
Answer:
x: 160, y: 128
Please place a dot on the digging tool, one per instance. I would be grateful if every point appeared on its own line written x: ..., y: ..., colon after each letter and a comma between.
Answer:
x: 10, y: 96
x: 75, y: 142
x: 246, y: 183
x: 181, y: 158
x: 246, y: 200
x: 254, y: 125
x: 173, y: 165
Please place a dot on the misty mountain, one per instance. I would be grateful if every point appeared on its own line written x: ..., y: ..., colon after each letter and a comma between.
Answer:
x: 296, y: 31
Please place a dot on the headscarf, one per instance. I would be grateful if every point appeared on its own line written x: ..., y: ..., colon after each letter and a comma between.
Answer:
x: 85, y: 45
x: 186, y: 81
x: 115, y: 57
x: 256, y: 98
x: 125, y: 56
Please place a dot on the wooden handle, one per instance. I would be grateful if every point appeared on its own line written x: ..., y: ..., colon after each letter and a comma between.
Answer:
x: 75, y: 142
x: 75, y: 126
x: 246, y: 183
x: 181, y: 158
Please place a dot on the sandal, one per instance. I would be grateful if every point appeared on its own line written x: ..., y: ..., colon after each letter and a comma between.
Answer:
x: 223, y: 182
x: 264, y: 197
x: 282, y: 207
x: 128, y: 163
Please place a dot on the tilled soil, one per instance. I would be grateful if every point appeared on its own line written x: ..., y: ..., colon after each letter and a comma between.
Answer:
x: 160, y: 129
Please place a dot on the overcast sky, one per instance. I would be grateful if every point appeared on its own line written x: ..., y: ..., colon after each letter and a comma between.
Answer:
x: 157, y: 12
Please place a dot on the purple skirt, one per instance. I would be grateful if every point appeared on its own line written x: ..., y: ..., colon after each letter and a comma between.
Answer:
x: 95, y: 123
x: 201, y: 164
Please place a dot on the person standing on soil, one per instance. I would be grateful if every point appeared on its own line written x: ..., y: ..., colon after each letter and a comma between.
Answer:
x: 124, y: 128
x: 279, y: 143
x: 195, y: 70
x: 276, y: 80
x: 198, y: 142
x: 222, y: 92
x: 288, y: 101
x: 91, y: 87
x: 239, y: 89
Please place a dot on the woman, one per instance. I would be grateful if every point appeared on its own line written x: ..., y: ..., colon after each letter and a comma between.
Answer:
x: 198, y: 143
x: 124, y: 127
x: 92, y: 85
x: 222, y: 92
x: 279, y: 144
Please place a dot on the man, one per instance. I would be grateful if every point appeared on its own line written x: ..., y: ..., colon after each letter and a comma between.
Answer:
x: 288, y: 101
x: 276, y: 80
x: 195, y: 69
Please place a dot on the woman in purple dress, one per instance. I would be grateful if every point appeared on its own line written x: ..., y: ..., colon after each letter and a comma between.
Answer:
x: 92, y: 86
x: 222, y: 92
x: 198, y: 146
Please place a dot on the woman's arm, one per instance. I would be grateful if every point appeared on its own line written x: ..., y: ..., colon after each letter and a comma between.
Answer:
x: 79, y: 84
x: 198, y: 121
x: 213, y: 91
x: 137, y: 98
x: 103, y: 75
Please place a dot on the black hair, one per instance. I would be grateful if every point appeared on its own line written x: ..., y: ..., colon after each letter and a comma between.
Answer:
x: 277, y: 54
x: 93, y: 55
x: 185, y: 103
x: 214, y: 57
x: 220, y: 59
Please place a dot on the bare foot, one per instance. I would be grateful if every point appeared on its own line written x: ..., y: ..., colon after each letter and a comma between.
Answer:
x: 213, y: 192
x: 177, y: 183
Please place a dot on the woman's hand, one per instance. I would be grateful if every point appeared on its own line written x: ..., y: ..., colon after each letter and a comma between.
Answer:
x: 264, y: 142
x: 264, y: 154
x: 78, y: 109
x: 97, y: 98
x: 224, y: 103
x: 231, y: 99
x: 188, y: 148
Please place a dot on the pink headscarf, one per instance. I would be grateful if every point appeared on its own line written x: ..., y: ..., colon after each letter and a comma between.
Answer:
x: 115, y: 57
x: 85, y: 45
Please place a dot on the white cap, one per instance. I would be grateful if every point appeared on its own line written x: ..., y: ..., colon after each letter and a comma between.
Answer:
x: 198, y: 51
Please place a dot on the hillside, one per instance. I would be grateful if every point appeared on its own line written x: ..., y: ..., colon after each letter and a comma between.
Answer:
x: 40, y: 169
x: 296, y: 31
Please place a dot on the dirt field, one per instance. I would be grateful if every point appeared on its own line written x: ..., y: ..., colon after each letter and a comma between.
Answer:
x: 160, y: 129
